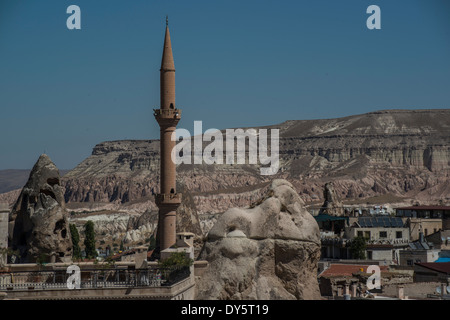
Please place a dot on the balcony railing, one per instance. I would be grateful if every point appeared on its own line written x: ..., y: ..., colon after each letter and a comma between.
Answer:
x: 95, y: 278
x: 168, y: 197
x: 167, y: 113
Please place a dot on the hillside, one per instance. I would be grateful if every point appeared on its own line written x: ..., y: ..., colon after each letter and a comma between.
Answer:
x: 400, y: 153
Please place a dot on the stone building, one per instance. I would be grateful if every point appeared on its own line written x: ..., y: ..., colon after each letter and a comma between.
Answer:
x: 4, y: 217
x: 425, y: 219
x: 432, y: 272
x: 385, y: 237
x: 419, y: 251
x: 440, y: 239
x: 339, y: 279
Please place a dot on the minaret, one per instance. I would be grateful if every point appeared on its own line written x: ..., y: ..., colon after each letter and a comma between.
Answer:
x: 167, y: 116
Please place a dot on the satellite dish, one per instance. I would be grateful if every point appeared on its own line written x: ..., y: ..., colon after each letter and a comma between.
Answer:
x: 438, y: 290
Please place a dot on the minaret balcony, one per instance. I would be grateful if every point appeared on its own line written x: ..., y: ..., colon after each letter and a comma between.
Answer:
x: 168, y: 199
x: 167, y: 113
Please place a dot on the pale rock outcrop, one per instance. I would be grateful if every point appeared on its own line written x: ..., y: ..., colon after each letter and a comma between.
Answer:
x: 107, y: 226
x: 332, y: 205
x: 269, y: 250
x: 39, y: 225
x: 141, y: 228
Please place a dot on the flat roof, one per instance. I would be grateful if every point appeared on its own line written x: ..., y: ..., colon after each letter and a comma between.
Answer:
x: 337, y: 269
x: 380, y: 222
x: 326, y: 217
x: 424, y: 208
x: 443, y: 267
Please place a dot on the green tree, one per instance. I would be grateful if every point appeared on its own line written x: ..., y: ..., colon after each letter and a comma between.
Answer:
x: 152, y: 244
x: 358, y: 248
x: 175, y: 265
x: 176, y: 259
x: 89, y: 241
x: 75, y: 241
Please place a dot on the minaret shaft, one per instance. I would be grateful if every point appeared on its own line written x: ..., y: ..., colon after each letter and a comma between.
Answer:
x: 167, y: 81
x: 167, y: 116
x: 167, y: 167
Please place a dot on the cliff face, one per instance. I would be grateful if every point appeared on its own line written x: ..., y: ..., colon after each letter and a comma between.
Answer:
x: 399, y: 138
x: 399, y: 153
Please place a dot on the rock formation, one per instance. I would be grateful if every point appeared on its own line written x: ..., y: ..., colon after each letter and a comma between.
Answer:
x: 187, y: 215
x: 269, y: 250
x: 332, y: 206
x: 39, y: 226
x: 403, y: 153
x: 142, y: 227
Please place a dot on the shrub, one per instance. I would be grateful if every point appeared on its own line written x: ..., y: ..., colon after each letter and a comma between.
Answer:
x: 358, y: 248
x: 176, y: 259
x: 89, y: 241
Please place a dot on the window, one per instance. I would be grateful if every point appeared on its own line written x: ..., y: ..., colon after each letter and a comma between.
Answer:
x: 383, y: 234
x: 409, y: 262
x: 360, y: 234
x: 369, y: 255
x: 399, y: 234
x: 436, y: 214
x: 367, y: 234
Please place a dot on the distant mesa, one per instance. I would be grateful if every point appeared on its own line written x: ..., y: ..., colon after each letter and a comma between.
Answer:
x: 395, y: 154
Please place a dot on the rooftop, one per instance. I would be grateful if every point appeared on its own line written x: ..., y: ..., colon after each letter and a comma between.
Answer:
x: 443, y: 267
x: 348, y: 270
x: 424, y: 208
x: 326, y: 217
x: 380, y: 221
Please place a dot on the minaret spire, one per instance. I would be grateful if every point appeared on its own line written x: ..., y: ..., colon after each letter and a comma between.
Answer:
x: 167, y: 63
x: 167, y: 116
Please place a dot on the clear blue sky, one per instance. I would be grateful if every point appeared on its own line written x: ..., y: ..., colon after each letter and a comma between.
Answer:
x: 239, y: 64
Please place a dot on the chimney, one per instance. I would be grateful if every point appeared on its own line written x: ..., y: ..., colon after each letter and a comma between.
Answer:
x: 401, y: 292
x: 421, y: 238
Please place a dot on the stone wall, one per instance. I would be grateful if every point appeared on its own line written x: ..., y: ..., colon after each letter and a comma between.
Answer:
x: 412, y: 290
x: 4, y: 217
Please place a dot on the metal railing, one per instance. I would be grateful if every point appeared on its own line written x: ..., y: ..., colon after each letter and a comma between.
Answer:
x: 93, y: 278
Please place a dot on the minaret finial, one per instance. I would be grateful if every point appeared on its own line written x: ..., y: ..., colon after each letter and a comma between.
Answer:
x: 167, y: 20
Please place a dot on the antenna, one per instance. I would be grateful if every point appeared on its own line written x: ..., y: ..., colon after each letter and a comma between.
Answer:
x: 167, y: 20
